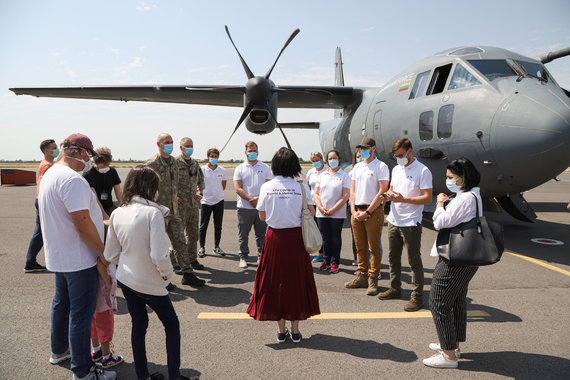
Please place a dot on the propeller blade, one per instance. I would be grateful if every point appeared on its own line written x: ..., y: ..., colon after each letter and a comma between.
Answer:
x: 295, y: 32
x: 245, y: 67
x: 246, y: 112
x: 278, y: 126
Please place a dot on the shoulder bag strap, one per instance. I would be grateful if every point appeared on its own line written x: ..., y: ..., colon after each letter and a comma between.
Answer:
x: 477, y: 212
x: 304, y: 197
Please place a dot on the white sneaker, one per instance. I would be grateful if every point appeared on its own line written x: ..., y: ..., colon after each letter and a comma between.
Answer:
x: 437, y: 347
x: 97, y: 374
x: 201, y: 252
x: 440, y: 361
x: 242, y: 263
x: 59, y: 358
x: 219, y: 251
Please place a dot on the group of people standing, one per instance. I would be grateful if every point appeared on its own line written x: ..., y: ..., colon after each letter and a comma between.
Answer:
x: 162, y: 197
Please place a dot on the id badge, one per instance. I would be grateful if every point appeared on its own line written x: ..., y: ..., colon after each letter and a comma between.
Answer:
x: 104, y: 196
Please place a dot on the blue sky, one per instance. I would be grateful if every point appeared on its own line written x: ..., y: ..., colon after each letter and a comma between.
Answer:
x: 72, y: 43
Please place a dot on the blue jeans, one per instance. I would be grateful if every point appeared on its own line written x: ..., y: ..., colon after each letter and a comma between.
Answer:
x: 36, y: 242
x: 71, y: 314
x: 331, y: 230
x: 162, y: 306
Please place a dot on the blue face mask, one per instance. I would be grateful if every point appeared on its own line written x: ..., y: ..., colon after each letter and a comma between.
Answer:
x: 188, y: 151
x: 167, y: 148
x: 213, y: 161
x: 333, y: 163
x: 317, y: 164
x: 252, y: 156
x: 358, y: 160
x: 365, y: 154
x: 452, y: 186
x: 55, y: 153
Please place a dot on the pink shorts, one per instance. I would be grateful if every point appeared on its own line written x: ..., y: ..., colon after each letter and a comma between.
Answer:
x: 102, y: 326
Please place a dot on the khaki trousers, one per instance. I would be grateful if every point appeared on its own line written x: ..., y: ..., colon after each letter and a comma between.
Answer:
x: 367, y: 238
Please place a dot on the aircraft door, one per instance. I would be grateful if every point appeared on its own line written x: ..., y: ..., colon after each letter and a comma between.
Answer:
x: 377, y: 133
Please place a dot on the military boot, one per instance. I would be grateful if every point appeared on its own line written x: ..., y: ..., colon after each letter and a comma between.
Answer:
x: 358, y: 282
x: 372, y: 286
x: 192, y: 280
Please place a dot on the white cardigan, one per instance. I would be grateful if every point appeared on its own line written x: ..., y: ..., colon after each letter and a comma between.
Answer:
x: 137, y: 241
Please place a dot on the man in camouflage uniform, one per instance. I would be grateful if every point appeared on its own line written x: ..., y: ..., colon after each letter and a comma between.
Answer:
x: 167, y: 168
x: 190, y: 187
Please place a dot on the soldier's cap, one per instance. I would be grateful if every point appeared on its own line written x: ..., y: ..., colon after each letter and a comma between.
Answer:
x: 78, y: 140
x: 367, y: 142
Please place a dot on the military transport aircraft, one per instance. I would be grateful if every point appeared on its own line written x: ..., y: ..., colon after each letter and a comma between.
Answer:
x: 502, y: 110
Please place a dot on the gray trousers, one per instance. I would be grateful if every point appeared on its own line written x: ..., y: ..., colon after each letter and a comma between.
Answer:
x: 246, y: 219
x: 448, y: 302
x: 411, y: 238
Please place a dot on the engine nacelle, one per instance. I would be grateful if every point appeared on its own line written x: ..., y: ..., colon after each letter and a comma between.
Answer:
x: 261, y: 119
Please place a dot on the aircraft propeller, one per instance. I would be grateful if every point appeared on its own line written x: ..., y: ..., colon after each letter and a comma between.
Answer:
x: 259, y: 89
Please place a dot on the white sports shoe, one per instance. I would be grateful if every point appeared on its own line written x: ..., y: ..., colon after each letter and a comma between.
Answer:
x: 440, y: 361
x: 437, y: 347
x: 201, y: 252
x: 242, y: 263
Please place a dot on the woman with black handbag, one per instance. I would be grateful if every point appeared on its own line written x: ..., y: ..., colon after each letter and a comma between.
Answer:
x: 284, y: 287
x: 447, y: 300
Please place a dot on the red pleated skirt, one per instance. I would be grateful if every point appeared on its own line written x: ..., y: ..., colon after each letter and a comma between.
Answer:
x: 284, y: 285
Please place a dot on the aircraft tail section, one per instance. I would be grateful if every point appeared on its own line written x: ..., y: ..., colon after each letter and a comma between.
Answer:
x: 338, y: 78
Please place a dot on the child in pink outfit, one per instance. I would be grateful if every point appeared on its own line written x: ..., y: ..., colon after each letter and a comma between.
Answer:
x: 103, y: 323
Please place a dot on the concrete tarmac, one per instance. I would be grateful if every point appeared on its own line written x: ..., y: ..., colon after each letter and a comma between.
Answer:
x: 518, y: 324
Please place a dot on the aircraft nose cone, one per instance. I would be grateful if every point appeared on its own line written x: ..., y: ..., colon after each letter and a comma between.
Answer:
x: 532, y: 136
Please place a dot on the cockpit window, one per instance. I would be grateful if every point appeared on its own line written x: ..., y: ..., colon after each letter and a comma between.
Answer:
x: 493, y: 68
x: 462, y: 78
x: 419, y: 85
x: 467, y: 50
x: 534, y: 69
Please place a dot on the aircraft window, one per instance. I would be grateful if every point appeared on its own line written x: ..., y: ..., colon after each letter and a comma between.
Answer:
x: 438, y: 79
x: 426, y: 125
x: 467, y: 50
x: 462, y: 78
x: 444, y: 121
x: 492, y: 68
x: 534, y: 69
x: 419, y: 85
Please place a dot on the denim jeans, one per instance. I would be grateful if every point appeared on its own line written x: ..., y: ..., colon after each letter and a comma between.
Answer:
x: 36, y: 242
x: 162, y: 306
x: 331, y: 231
x: 218, y: 210
x: 71, y: 314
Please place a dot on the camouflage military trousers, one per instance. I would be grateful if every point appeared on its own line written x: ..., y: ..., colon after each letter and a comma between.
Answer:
x: 178, y: 250
x: 190, y: 219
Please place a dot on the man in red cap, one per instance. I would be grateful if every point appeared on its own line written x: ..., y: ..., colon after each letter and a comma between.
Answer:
x: 72, y: 229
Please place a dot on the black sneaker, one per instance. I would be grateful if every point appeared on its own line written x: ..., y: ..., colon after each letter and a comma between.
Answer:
x: 157, y: 376
x: 170, y: 287
x: 176, y: 269
x: 196, y: 265
x: 34, y: 267
x: 192, y: 280
x: 97, y: 356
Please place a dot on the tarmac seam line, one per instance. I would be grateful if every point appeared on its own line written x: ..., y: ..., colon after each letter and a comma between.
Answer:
x: 370, y: 315
x: 539, y: 262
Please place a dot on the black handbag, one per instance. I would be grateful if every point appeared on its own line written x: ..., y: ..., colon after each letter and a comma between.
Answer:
x: 474, y: 243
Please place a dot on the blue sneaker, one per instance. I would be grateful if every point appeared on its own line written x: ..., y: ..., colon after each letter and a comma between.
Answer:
x: 96, y: 356
x: 282, y: 337
x: 112, y: 361
x: 59, y: 358
x: 296, y: 338
x: 317, y: 259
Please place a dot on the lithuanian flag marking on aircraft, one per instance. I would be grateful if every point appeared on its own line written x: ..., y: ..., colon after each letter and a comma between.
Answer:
x: 404, y: 87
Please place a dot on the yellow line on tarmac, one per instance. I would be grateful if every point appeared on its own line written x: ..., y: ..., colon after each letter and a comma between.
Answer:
x: 539, y: 262
x: 376, y: 315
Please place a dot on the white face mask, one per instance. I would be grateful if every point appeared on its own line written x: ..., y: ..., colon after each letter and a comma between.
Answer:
x: 104, y: 170
x: 88, y: 164
x: 402, y: 161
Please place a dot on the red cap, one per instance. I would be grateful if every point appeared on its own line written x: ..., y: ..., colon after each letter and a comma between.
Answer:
x: 82, y: 141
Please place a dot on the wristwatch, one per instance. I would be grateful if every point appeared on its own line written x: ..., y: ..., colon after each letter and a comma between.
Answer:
x: 368, y: 212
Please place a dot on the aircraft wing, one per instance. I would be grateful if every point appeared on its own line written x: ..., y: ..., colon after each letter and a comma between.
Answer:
x: 232, y: 96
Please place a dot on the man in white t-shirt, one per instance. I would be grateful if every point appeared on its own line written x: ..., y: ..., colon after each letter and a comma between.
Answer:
x: 72, y: 229
x: 410, y: 190
x: 248, y: 178
x: 369, y: 181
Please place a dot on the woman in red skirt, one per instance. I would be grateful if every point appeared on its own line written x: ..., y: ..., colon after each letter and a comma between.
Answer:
x: 284, y: 286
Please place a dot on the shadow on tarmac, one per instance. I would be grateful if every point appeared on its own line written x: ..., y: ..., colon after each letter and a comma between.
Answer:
x: 517, y: 365
x: 127, y: 370
x: 496, y: 315
x: 366, y: 349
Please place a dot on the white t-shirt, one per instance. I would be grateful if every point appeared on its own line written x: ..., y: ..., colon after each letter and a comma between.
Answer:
x: 409, y: 181
x: 366, y: 177
x: 282, y: 201
x: 64, y: 191
x: 251, y: 177
x: 330, y: 187
x: 313, y: 176
x: 213, y: 190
